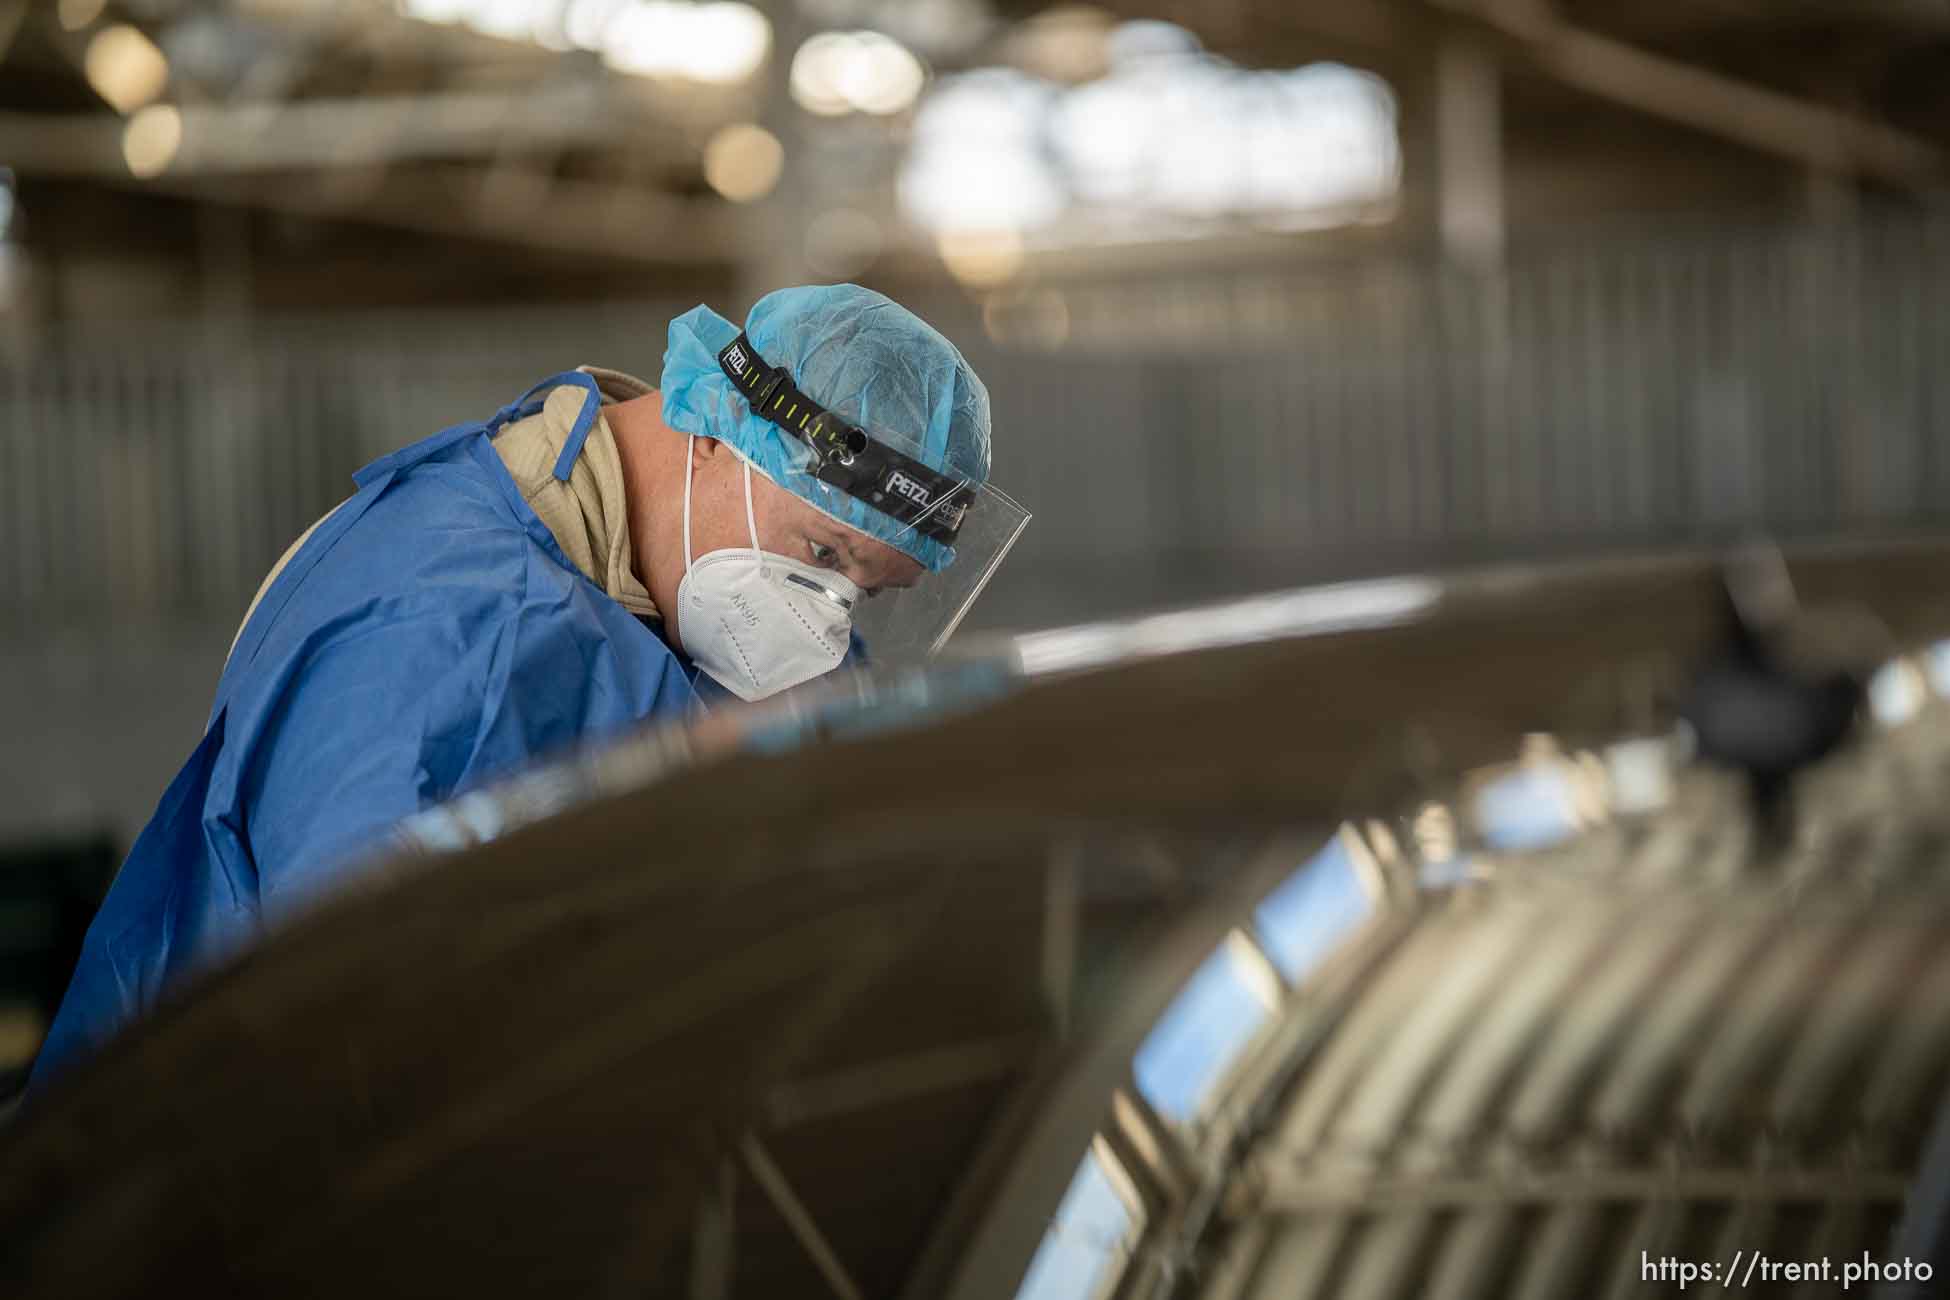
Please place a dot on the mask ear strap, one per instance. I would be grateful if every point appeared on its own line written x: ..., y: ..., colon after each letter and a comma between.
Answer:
x: 751, y: 521
x: 689, y: 443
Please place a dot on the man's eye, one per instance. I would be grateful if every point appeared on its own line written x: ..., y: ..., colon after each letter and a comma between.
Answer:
x: 824, y: 556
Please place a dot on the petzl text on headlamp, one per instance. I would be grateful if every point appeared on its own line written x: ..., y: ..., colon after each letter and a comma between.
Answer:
x: 845, y: 456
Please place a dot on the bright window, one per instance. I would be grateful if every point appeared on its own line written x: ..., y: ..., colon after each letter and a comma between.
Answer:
x: 1167, y: 138
x: 1303, y: 920
x: 1203, y: 1030
x: 1086, y: 1243
x: 1527, y: 808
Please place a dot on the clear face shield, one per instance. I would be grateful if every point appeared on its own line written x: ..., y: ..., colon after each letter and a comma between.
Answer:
x: 904, y: 625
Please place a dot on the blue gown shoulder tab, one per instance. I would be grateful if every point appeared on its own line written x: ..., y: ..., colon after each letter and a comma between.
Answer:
x: 526, y: 405
x: 519, y: 409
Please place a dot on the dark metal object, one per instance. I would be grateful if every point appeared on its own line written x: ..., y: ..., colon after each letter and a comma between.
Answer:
x: 1786, y: 690
x: 520, y: 1069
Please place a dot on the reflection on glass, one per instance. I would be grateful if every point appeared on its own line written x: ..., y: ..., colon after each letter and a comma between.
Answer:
x: 1307, y: 916
x: 1203, y: 1030
x: 1088, y: 1240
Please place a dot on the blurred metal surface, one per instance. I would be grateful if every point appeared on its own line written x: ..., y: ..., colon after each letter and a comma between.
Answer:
x: 579, y: 1058
x: 1752, y: 1082
x: 1606, y: 1049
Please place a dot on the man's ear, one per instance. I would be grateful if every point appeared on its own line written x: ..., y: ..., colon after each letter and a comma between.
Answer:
x: 707, y: 455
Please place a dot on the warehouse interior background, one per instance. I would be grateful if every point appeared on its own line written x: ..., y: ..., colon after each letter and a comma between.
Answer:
x: 1265, y: 293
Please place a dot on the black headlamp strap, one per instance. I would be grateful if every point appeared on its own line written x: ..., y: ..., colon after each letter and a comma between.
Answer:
x: 844, y: 456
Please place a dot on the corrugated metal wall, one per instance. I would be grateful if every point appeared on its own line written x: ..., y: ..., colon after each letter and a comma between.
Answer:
x: 1656, y: 1040
x: 1173, y: 434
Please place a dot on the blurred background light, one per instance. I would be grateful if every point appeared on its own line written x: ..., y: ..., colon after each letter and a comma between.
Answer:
x: 743, y: 161
x: 583, y: 21
x: 6, y: 202
x: 511, y: 20
x: 551, y: 31
x: 867, y: 72
x: 438, y: 11
x: 934, y: 28
x: 1147, y: 41
x: 77, y: 14
x: 125, y: 67
x: 976, y: 162
x: 725, y: 42
x: 1038, y: 318
x: 1897, y: 692
x: 843, y: 242
x: 1157, y: 131
x: 815, y: 72
x: 1639, y: 774
x: 1068, y: 43
x: 713, y: 43
x: 981, y: 257
x: 151, y: 138
x: 882, y: 76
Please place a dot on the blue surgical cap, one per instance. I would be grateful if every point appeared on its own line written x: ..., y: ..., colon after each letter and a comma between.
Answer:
x: 861, y: 355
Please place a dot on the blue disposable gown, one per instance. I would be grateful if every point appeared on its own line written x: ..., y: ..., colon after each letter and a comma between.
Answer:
x: 430, y: 634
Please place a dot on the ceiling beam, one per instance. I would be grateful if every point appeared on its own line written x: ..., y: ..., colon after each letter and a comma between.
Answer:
x: 1821, y: 137
x: 628, y: 223
x: 902, y: 1078
x: 772, y: 1181
x: 522, y: 207
x: 1376, y: 32
x: 714, y: 1240
x: 267, y: 136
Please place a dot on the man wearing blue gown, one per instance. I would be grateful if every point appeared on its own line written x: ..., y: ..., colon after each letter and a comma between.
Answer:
x: 577, y: 563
